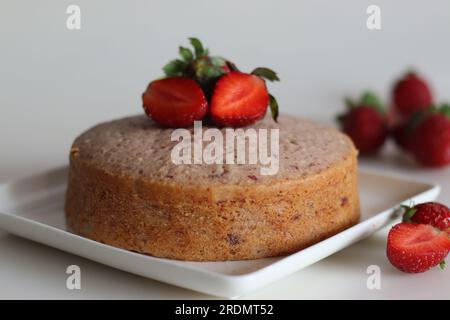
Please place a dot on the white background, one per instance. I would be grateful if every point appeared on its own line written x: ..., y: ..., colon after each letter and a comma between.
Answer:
x: 54, y: 83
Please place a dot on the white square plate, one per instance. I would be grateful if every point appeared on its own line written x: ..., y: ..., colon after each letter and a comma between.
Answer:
x: 33, y: 208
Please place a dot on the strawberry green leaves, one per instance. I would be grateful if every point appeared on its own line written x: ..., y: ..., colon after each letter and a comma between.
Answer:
x: 198, y: 47
x: 186, y: 54
x: 421, y: 115
x: 409, y: 212
x: 273, y: 107
x: 209, y: 67
x: 266, y: 73
x: 218, y: 61
x: 195, y: 63
x: 368, y: 98
x: 443, y: 109
x: 182, y: 67
x: 177, y: 67
x: 174, y: 68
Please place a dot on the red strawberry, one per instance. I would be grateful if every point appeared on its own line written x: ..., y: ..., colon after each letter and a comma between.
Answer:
x: 415, y: 247
x: 432, y: 213
x: 367, y: 128
x: 183, y: 96
x: 175, y: 102
x: 402, y: 136
x: 240, y: 99
x: 431, y: 138
x: 403, y: 132
x: 365, y: 123
x: 411, y: 94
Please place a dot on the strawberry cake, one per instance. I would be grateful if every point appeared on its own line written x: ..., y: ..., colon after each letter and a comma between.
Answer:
x: 126, y: 189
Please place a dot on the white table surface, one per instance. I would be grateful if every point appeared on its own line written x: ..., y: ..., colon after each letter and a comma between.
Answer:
x: 55, y: 83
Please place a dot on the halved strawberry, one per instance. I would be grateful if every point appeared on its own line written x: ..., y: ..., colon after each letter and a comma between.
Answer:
x: 175, y: 102
x: 239, y: 99
x: 184, y: 95
x: 415, y: 247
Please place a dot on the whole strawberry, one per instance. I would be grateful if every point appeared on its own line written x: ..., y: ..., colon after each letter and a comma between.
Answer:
x: 432, y: 213
x: 411, y: 94
x: 365, y: 123
x: 415, y: 248
x: 431, y: 137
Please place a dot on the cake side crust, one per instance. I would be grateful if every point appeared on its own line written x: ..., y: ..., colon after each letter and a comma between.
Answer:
x: 211, y: 223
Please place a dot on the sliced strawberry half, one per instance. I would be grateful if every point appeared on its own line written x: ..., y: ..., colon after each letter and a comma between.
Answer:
x: 239, y: 99
x: 175, y: 102
x: 415, y: 248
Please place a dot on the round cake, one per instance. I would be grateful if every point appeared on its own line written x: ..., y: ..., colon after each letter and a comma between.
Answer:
x: 125, y: 190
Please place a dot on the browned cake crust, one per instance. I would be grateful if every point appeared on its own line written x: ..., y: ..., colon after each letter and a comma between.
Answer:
x: 124, y: 191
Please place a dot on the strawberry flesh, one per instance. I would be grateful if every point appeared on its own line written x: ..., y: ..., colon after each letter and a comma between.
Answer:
x: 415, y: 248
x: 175, y: 102
x: 239, y: 99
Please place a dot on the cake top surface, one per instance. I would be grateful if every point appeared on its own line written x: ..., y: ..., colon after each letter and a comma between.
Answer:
x: 137, y: 147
